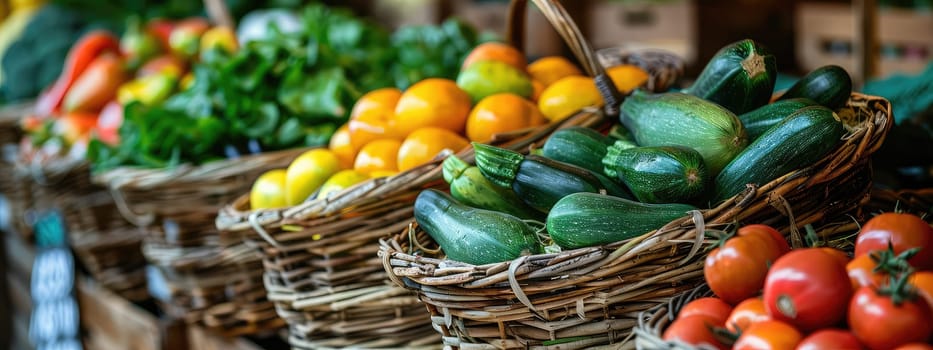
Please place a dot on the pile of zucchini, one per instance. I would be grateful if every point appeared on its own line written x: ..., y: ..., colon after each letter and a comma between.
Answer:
x: 671, y: 153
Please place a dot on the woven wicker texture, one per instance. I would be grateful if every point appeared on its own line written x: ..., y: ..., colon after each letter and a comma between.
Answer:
x: 106, y: 245
x: 213, y: 278
x: 916, y: 201
x: 597, y: 292
x: 321, y: 264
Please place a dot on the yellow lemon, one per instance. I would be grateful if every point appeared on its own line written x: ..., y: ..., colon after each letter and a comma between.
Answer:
x: 269, y: 190
x: 567, y: 96
x: 341, y: 181
x: 307, y: 172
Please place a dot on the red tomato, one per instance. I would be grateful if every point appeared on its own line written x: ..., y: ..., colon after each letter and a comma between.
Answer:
x: 782, y: 245
x: 840, y: 256
x: 768, y: 335
x: 903, y: 231
x: 923, y: 281
x: 915, y: 346
x: 880, y: 324
x: 748, y: 312
x: 861, y: 272
x: 713, y: 307
x: 807, y: 288
x: 736, y: 271
x: 829, y: 338
x: 695, y: 330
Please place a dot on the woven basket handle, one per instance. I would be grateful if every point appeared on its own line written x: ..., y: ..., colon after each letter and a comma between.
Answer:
x: 218, y: 13
x: 573, y: 37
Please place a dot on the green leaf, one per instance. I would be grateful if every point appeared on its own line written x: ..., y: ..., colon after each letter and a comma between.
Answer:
x: 289, y: 133
x: 318, y: 97
x: 319, y: 135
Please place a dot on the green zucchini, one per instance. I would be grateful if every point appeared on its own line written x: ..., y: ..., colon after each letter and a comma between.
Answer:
x: 676, y: 118
x: 740, y: 77
x: 829, y: 86
x: 663, y: 174
x: 470, y: 187
x: 800, y: 140
x: 588, y: 219
x: 583, y: 147
x: 472, y: 235
x: 538, y: 181
x: 763, y: 118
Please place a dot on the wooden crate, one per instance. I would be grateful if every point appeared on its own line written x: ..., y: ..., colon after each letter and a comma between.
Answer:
x: 821, y: 26
x: 669, y: 25
x: 541, y: 38
x: 113, y: 323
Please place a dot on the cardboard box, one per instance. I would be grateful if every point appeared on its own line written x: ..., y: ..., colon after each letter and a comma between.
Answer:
x: 540, y: 37
x: 826, y: 34
x: 669, y: 25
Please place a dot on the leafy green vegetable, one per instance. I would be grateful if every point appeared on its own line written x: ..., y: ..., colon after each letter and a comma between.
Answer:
x: 431, y: 51
x: 288, y: 90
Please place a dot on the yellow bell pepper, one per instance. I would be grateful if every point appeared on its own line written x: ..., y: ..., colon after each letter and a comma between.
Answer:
x: 148, y: 90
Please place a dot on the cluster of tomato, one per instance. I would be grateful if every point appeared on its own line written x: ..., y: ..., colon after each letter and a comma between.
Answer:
x: 772, y: 297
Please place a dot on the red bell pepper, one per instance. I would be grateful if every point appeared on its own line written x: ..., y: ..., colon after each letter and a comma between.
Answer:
x: 80, y: 56
x: 97, y: 85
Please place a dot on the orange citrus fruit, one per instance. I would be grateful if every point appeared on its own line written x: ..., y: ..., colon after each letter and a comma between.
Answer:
x: 384, y: 98
x: 377, y: 155
x: 422, y: 145
x: 567, y: 96
x: 371, y: 116
x: 341, y: 146
x: 550, y: 69
x: 494, y: 51
x: 497, y: 114
x: 537, y: 118
x: 627, y: 77
x: 537, y: 88
x: 431, y: 102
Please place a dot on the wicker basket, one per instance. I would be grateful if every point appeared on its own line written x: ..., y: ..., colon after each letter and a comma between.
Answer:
x: 17, y: 194
x: 916, y: 201
x: 591, y: 297
x: 321, y: 264
x: 597, y: 292
x: 106, y: 245
x: 212, y: 277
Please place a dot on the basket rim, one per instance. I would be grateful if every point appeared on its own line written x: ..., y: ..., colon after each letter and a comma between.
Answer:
x: 142, y: 178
